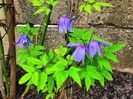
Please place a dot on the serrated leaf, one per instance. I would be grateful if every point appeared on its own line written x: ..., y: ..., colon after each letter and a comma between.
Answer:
x: 45, y: 59
x: 42, y: 81
x: 88, y: 9
x: 87, y: 82
x: 87, y: 35
x: 116, y: 47
x: 81, y: 8
x: 111, y: 56
x: 104, y: 62
x: 25, y: 78
x: 107, y: 75
x: 97, y: 7
x: 101, y: 80
x: 93, y: 74
x: 50, y: 84
x: 60, y: 76
x: 75, y: 76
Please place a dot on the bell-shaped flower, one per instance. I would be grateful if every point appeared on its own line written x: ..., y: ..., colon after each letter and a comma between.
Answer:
x: 23, y: 41
x: 94, y: 46
x: 79, y: 53
x: 64, y: 24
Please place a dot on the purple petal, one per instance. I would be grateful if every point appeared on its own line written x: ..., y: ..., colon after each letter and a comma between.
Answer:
x: 92, y: 48
x: 79, y: 54
x: 61, y: 24
x: 103, y: 43
x: 68, y: 24
x: 23, y: 41
x: 74, y: 44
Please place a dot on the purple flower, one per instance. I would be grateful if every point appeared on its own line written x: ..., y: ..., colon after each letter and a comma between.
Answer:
x: 94, y: 46
x: 65, y: 24
x: 91, y: 49
x: 23, y: 41
x: 79, y: 53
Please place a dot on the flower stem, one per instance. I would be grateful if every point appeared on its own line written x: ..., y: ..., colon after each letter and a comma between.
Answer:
x: 45, y: 26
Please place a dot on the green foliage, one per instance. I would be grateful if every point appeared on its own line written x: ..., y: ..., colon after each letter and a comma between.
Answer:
x: 30, y: 31
x: 43, y: 5
x: 91, y: 5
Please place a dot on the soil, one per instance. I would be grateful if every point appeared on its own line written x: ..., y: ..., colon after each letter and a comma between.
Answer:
x: 120, y: 88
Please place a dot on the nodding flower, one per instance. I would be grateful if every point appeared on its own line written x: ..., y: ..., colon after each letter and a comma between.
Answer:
x: 23, y: 41
x: 64, y: 24
x: 91, y: 49
x: 94, y: 46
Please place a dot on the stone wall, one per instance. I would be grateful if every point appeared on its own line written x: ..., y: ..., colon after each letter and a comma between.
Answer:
x: 114, y: 24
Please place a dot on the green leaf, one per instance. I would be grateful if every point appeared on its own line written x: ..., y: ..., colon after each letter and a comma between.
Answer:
x: 87, y: 82
x: 45, y: 59
x: 101, y: 80
x: 87, y: 35
x: 63, y: 51
x: 93, y: 74
x: 97, y: 7
x: 50, y: 96
x: 104, y: 4
x: 50, y: 84
x: 60, y: 76
x: 51, y: 54
x: 91, y: 1
x: 115, y: 47
x: 55, y: 3
x: 75, y: 76
x: 35, y: 61
x: 81, y: 7
x: 104, y: 62
x: 100, y: 39
x: 107, y: 75
x: 40, y: 10
x: 36, y: 53
x: 27, y: 68
x: 25, y: 78
x: 42, y: 81
x: 38, y: 48
x: 35, y: 78
x: 88, y: 9
x: 111, y: 56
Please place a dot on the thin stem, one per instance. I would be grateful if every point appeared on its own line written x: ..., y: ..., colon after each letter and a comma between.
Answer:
x: 45, y: 26
x: 3, y: 71
x: 26, y: 91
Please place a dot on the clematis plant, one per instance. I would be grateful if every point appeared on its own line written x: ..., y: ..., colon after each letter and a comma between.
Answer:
x: 49, y: 70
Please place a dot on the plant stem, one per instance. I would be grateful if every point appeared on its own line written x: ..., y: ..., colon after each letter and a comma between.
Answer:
x: 45, y: 26
x: 3, y: 71
x: 26, y: 91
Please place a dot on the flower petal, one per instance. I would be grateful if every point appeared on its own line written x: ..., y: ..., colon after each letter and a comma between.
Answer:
x: 79, y: 54
x: 103, y: 43
x: 92, y: 48
x: 74, y: 44
x: 68, y: 24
